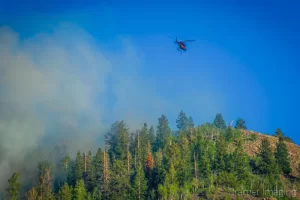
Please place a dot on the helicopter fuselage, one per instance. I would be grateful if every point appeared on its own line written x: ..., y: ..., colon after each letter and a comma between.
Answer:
x: 181, y: 45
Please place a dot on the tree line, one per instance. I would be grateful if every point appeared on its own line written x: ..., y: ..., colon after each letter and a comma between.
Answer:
x: 194, y: 162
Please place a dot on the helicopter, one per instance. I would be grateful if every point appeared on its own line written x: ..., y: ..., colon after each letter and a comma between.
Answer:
x: 181, y: 44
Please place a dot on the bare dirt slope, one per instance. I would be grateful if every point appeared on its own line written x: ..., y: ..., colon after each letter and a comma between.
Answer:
x: 253, y: 147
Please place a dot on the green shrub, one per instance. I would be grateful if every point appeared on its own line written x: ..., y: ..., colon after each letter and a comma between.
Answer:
x: 227, y: 180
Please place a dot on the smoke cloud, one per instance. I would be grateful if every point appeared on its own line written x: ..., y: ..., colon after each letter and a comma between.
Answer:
x: 61, y: 88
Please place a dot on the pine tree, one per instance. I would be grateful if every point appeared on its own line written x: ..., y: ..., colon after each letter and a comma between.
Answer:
x: 119, y: 182
x: 162, y: 191
x: 241, y: 167
x: 278, y: 133
x: 205, y: 167
x: 149, y: 163
x: 182, y: 121
x: 281, y: 155
x: 140, y: 183
x: 220, y: 154
x: 45, y: 179
x: 184, y: 170
x: 99, y: 169
x: 149, y: 160
x: 158, y: 172
x: 118, y: 140
x: 65, y: 163
x: 90, y: 176
x: 14, y: 186
x: 219, y: 121
x: 266, y: 163
x: 65, y: 192
x: 88, y: 196
x: 171, y: 183
x: 97, y: 195
x: 78, y: 169
x: 79, y: 191
x: 144, y: 138
x: 162, y: 133
x: 151, y: 136
x: 240, y: 124
x: 229, y: 134
x: 106, y: 172
x: 232, y: 135
x: 32, y: 194
x: 172, y: 154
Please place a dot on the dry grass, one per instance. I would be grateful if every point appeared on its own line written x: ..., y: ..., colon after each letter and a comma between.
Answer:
x: 252, y: 147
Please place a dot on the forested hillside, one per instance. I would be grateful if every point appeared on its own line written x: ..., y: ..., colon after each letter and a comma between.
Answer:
x: 210, y: 161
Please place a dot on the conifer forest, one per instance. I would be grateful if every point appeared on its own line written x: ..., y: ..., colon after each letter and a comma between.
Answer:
x: 193, y: 162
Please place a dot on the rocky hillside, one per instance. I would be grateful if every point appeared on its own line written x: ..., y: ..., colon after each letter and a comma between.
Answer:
x: 252, y: 147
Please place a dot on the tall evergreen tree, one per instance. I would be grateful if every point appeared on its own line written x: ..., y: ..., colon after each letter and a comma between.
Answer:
x: 241, y: 167
x: 143, y: 141
x: 171, y: 183
x: 182, y: 121
x: 119, y: 182
x: 184, y: 170
x: 205, y: 167
x: 65, y: 192
x: 158, y: 172
x: 240, y: 124
x: 140, y: 182
x: 97, y: 195
x: 172, y: 154
x: 45, y: 179
x: 102, y: 175
x: 14, y: 186
x: 266, y: 163
x: 278, y: 133
x: 163, y: 132
x: 219, y: 121
x: 32, y: 194
x: 89, y: 172
x: 77, y: 169
x: 220, y: 154
x: 99, y: 169
x: 282, y: 156
x: 65, y: 163
x: 118, y: 140
x: 79, y: 191
x: 152, y: 136
x: 149, y: 164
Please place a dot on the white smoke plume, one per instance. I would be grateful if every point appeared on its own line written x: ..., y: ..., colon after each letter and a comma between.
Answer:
x: 55, y: 89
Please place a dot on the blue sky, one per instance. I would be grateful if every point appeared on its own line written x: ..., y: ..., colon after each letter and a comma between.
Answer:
x: 244, y: 62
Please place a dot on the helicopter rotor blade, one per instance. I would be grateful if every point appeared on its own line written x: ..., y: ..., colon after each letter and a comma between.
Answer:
x: 189, y: 40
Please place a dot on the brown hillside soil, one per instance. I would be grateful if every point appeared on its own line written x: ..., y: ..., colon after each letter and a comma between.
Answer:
x: 251, y: 148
